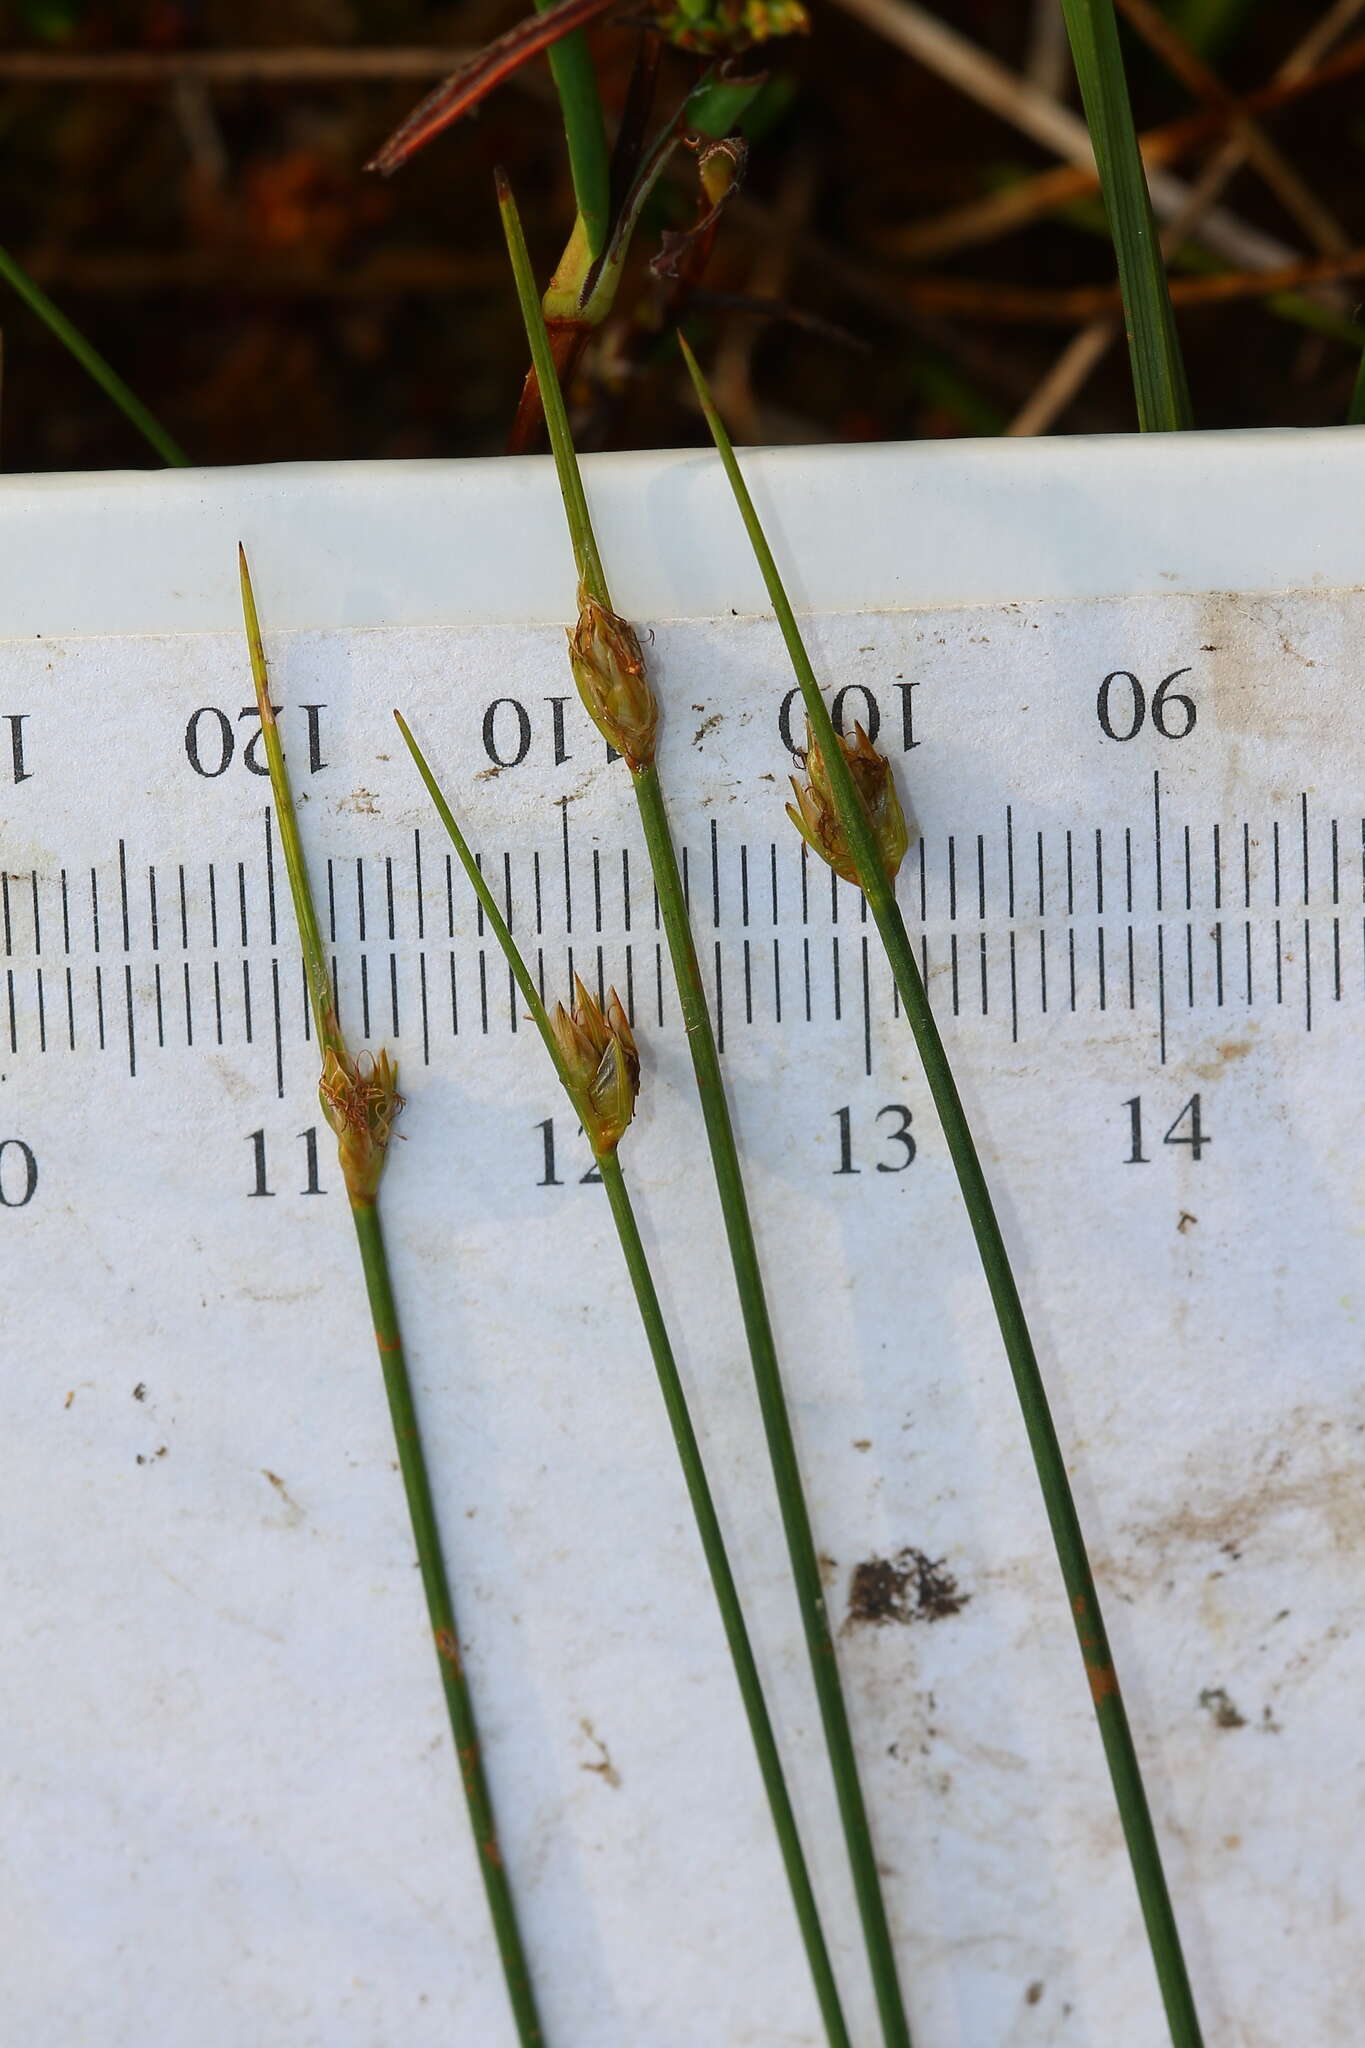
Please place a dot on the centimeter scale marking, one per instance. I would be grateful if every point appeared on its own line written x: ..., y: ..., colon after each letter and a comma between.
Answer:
x: 1011, y: 923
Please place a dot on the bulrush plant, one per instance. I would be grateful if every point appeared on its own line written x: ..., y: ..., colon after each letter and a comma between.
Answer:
x: 360, y: 1101
x: 608, y: 667
x: 595, y: 1056
x: 849, y: 813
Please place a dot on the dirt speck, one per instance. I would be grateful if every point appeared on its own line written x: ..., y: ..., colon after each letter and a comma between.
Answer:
x: 905, y: 1588
x: 161, y: 1451
x: 140, y: 1391
x: 70, y: 1398
x: 490, y: 774
x: 829, y: 1568
x: 1034, y: 1992
x: 1185, y: 1222
x: 862, y: 1443
x: 295, y: 1511
x: 707, y: 725
x: 1215, y: 1701
x: 360, y: 802
x: 601, y: 1765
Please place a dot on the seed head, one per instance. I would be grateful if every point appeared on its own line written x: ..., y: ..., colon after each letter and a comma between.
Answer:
x: 816, y: 819
x: 598, y: 1049
x: 718, y: 28
x: 609, y: 669
x: 360, y: 1100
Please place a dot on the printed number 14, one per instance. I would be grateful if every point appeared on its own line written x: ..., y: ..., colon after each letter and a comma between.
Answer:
x: 1194, y: 1135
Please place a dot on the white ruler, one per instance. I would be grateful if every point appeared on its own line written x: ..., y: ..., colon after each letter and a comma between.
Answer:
x: 1139, y: 885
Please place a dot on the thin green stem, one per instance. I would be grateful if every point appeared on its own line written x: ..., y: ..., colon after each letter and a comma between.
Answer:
x: 92, y: 362
x: 1077, y: 1576
x: 1355, y: 416
x: 362, y: 1120
x: 684, y: 1437
x: 735, y: 1211
x: 777, y: 1427
x: 586, y: 557
x: 440, y: 1609
x: 727, y: 1599
x: 310, y: 936
x: 585, y: 133
x: 1163, y: 399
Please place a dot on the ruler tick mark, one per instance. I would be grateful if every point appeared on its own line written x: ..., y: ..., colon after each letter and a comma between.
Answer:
x: 128, y: 1005
x: 1275, y: 843
x: 1009, y: 856
x: 867, y: 1013
x: 1161, y: 986
x: 279, y: 1035
x: 1099, y: 962
x: 123, y: 894
x: 269, y: 875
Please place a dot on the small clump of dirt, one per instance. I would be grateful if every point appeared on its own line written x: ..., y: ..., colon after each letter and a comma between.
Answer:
x: 1215, y: 1701
x: 905, y: 1588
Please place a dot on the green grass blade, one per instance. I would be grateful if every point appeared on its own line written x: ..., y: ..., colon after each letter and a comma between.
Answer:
x: 585, y: 133
x: 1050, y: 1463
x: 1163, y: 399
x: 684, y: 1437
x: 93, y: 363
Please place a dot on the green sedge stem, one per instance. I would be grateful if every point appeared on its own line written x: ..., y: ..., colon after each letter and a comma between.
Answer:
x: 93, y: 363
x: 727, y: 1599
x: 397, y: 1385
x: 684, y: 1437
x: 1355, y: 416
x: 586, y: 557
x: 1162, y: 395
x: 310, y: 937
x: 585, y: 133
x: 440, y: 1610
x: 1077, y: 1576
x: 734, y: 1207
x: 777, y: 1427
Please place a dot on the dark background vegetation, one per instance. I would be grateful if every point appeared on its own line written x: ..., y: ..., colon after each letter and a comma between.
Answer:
x: 220, y: 242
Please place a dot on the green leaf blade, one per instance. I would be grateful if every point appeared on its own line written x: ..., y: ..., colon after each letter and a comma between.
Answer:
x: 1159, y: 386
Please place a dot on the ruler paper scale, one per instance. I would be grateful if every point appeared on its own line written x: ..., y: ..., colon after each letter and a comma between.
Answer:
x: 1120, y: 695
